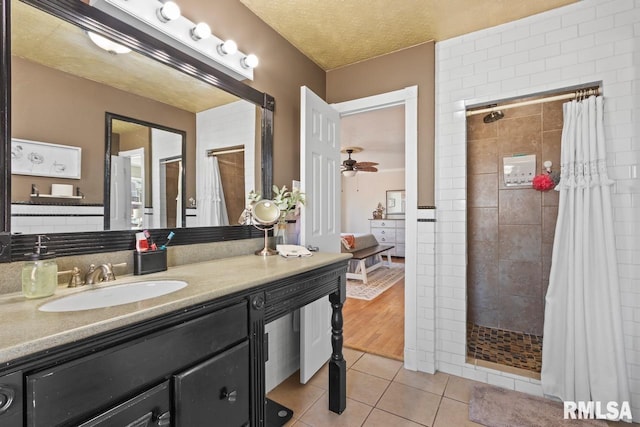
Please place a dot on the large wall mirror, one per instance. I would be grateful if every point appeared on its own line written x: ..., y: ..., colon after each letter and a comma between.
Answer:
x: 154, y: 131
x: 145, y: 185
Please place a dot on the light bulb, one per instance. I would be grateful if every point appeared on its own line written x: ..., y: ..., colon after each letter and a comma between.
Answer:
x: 250, y: 61
x: 106, y: 44
x: 169, y: 12
x: 201, y: 31
x: 227, y: 48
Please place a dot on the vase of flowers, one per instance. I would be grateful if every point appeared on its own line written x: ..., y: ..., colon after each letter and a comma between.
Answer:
x: 289, y: 203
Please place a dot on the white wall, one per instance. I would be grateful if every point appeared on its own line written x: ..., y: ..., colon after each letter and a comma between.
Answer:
x: 34, y: 219
x: 361, y: 195
x: 591, y: 40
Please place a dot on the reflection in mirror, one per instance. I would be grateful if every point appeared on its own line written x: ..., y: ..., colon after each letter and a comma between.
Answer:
x: 146, y: 175
x: 225, y: 161
x: 395, y: 204
x: 62, y: 86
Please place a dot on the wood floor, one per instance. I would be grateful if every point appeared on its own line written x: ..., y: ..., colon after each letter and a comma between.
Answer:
x: 377, y: 326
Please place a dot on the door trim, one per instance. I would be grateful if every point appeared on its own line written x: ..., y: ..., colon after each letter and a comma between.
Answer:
x: 409, y: 98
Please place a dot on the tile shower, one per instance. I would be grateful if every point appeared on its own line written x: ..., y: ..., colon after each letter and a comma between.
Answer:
x: 510, y: 236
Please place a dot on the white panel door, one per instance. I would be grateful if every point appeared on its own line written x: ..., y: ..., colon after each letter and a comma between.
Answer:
x: 320, y: 219
x: 120, y: 200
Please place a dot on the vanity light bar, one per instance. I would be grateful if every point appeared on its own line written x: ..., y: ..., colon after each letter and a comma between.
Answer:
x: 179, y: 33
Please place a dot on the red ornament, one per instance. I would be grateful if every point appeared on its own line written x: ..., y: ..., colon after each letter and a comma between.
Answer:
x: 543, y: 182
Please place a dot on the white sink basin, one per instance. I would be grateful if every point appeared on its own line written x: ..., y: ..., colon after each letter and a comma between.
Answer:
x: 114, y: 295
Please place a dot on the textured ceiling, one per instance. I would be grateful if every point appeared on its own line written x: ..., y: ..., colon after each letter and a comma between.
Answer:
x: 335, y: 33
x: 42, y: 38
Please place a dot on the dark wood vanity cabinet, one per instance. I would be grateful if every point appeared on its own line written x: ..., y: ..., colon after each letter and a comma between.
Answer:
x: 199, y: 366
x: 147, y: 381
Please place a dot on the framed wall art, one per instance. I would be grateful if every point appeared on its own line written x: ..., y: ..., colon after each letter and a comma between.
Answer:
x: 45, y: 159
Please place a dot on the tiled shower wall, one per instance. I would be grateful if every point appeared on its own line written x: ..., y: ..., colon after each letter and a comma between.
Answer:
x: 587, y: 41
x: 510, y: 229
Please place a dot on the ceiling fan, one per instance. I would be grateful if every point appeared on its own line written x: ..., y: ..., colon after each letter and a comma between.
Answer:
x: 350, y: 166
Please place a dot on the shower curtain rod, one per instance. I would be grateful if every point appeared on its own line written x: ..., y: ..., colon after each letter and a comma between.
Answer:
x: 226, y: 150
x: 570, y: 95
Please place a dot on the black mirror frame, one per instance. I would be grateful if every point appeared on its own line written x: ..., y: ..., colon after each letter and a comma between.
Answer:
x: 13, y: 247
x: 108, y: 118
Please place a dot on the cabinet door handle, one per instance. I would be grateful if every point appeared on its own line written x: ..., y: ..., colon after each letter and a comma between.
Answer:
x: 383, y: 232
x: 229, y: 396
x: 164, y: 419
x: 7, y: 394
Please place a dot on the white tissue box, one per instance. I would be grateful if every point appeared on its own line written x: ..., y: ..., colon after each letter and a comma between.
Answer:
x: 62, y: 190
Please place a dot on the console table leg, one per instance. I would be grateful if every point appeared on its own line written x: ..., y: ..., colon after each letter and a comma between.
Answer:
x: 337, y: 365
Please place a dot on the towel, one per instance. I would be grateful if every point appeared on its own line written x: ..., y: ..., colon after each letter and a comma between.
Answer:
x: 348, y: 241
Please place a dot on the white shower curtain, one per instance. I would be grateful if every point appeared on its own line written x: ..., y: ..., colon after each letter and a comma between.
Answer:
x: 213, y: 210
x: 583, y: 353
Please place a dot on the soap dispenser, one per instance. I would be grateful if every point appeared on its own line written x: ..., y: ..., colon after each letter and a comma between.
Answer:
x: 40, y: 271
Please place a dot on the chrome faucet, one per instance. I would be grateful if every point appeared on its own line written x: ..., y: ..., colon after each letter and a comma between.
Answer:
x: 102, y: 273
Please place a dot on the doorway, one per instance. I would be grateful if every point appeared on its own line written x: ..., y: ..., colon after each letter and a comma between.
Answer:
x: 137, y: 198
x: 408, y: 98
x: 374, y: 312
x: 170, y: 194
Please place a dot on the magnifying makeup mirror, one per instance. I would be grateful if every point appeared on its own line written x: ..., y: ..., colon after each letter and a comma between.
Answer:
x: 265, y: 215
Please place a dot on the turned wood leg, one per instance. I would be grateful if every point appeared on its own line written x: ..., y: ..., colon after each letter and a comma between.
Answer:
x: 337, y: 365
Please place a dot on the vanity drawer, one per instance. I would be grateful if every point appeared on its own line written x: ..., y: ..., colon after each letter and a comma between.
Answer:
x: 78, y: 389
x: 151, y: 408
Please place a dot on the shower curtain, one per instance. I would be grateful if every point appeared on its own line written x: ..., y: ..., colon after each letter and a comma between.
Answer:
x: 213, y: 210
x: 583, y: 353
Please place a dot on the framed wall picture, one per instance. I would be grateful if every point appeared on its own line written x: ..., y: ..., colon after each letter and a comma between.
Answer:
x: 45, y: 159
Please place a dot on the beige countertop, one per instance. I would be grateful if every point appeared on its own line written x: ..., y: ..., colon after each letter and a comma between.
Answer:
x: 26, y: 330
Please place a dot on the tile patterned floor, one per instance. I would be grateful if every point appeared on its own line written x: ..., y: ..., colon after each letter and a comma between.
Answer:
x: 381, y: 393
x: 515, y: 349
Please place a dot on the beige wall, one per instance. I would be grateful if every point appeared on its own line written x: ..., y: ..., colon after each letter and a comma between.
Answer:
x: 408, y: 67
x: 282, y: 70
x: 42, y: 112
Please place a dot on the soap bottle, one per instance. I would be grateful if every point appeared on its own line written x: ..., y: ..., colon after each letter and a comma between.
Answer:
x: 40, y: 272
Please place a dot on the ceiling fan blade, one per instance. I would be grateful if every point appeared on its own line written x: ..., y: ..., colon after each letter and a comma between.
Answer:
x: 366, y: 164
x: 367, y: 169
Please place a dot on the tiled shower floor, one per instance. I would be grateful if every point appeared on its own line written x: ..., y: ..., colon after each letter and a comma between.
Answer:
x: 515, y: 349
